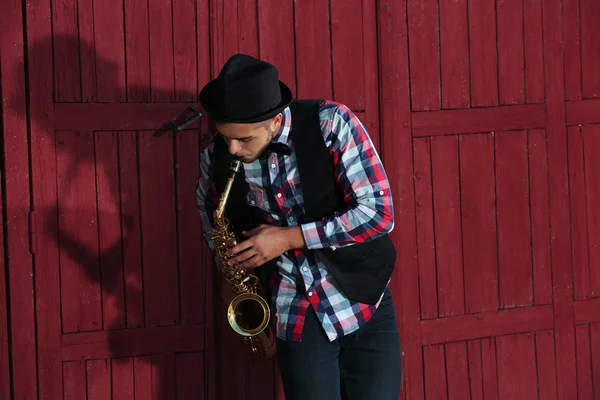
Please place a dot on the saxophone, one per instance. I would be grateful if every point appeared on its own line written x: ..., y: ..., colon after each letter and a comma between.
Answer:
x: 248, y: 313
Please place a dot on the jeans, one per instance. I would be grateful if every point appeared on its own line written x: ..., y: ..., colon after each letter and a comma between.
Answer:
x: 364, y: 365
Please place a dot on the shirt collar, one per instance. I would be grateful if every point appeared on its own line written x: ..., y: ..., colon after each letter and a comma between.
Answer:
x: 283, y: 136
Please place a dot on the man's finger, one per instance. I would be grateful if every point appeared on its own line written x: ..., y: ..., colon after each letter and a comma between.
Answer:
x: 254, y: 231
x: 243, y: 256
x: 246, y: 244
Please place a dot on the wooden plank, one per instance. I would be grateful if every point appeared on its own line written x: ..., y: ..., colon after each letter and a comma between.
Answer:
x: 78, y: 232
x: 248, y: 26
x: 486, y: 324
x: 190, y: 376
x: 590, y: 48
x: 534, y: 55
x: 546, y: 364
x: 490, y: 369
x: 159, y: 227
x: 591, y: 147
x: 43, y: 178
x: 203, y: 42
x: 397, y: 153
x: 184, y: 53
x: 457, y: 371
x: 73, y: 381
x: 313, y: 50
x: 511, y: 58
x: 425, y: 232
x: 143, y: 372
x: 482, y: 52
x: 447, y: 225
x: 424, y: 58
x: 583, y: 112
x: 131, y: 229
x: 109, y: 230
x: 87, y: 50
x: 540, y: 221
x: 475, y: 362
x: 110, y: 50
x: 371, y: 72
x: 67, y: 73
x: 160, y: 29
x: 130, y: 342
x: 514, y: 239
x: 347, y: 53
x: 479, y: 222
x: 434, y: 372
x: 145, y: 116
x: 559, y: 200
x: 585, y: 388
x: 595, y: 354
x: 137, y: 51
x: 230, y: 26
x: 122, y: 379
x: 276, y: 38
x: 517, y: 376
x: 478, y: 120
x: 587, y: 311
x: 17, y: 351
x: 572, y: 45
x: 454, y: 54
x: 98, y: 377
x: 191, y: 271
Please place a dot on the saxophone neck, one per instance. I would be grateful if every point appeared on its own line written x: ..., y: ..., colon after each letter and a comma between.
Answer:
x: 234, y: 167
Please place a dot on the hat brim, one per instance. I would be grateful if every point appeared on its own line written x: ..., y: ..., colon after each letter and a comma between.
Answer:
x: 214, y: 111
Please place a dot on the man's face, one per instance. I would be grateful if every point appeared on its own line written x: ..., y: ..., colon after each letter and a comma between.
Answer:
x: 248, y: 141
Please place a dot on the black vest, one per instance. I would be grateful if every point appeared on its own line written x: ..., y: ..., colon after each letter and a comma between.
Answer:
x: 361, y: 270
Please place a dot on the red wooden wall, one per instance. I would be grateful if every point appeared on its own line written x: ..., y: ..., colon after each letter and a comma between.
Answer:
x: 486, y: 114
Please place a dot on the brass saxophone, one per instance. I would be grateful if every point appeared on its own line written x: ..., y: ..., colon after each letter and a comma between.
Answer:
x: 248, y: 313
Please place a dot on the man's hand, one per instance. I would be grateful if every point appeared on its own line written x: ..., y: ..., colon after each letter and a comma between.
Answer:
x: 264, y: 244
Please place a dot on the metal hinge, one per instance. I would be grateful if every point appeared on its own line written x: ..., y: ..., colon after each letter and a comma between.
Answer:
x: 32, y: 232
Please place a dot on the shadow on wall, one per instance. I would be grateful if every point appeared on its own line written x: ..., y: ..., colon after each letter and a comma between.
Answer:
x: 99, y: 232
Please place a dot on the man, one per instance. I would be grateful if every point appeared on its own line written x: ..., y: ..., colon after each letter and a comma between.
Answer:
x: 313, y: 210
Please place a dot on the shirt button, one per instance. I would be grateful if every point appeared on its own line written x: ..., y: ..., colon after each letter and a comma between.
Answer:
x: 252, y: 202
x: 309, y: 294
x: 304, y: 269
x: 291, y: 218
x: 279, y: 195
x: 273, y: 165
x: 381, y: 192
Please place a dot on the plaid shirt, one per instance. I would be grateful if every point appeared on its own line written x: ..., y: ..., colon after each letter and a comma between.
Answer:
x: 303, y: 280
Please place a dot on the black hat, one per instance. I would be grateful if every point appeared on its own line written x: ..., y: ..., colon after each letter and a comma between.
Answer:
x: 247, y: 90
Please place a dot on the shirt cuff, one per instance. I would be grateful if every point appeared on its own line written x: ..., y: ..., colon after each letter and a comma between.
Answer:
x: 314, y: 235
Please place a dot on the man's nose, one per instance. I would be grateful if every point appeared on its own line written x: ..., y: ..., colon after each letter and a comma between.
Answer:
x: 234, y: 146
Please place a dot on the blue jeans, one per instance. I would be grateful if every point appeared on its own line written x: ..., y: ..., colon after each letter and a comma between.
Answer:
x: 364, y: 365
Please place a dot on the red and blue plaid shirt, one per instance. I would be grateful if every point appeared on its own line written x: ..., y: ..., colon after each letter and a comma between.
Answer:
x: 303, y: 280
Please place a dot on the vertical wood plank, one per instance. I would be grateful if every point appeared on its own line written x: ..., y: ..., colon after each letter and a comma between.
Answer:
x: 572, y: 40
x: 137, y: 50
x: 371, y: 73
x: 230, y: 26
x: 578, y: 209
x: 122, y: 379
x: 540, y: 222
x: 203, y: 40
x: 347, y: 53
x: 159, y: 234
x: 276, y: 38
x: 98, y: 380
x: 534, y: 54
x: 475, y: 369
x: 448, y: 233
x: 590, y: 48
x: 17, y: 352
x: 591, y: 146
x: 131, y: 229
x: 595, y: 354
x: 454, y: 39
x: 482, y: 52
x: 424, y: 58
x: 73, y: 381
x: 313, y: 50
x: 190, y: 376
x: 161, y: 50
x: 546, y: 364
x: 517, y: 377
x: 248, y: 26
x: 584, y: 363
x: 191, y: 270
x: 434, y: 372
x: 109, y: 230
x: 110, y: 50
x: 457, y: 371
x: 512, y: 191
x: 142, y: 378
x: 87, y: 50
x: 511, y: 58
x: 78, y: 232
x: 478, y: 222
x: 490, y: 369
x: 184, y: 53
x: 425, y: 229
x: 67, y: 75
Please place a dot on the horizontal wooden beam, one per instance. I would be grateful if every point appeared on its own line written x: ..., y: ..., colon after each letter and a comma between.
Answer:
x: 494, y: 323
x: 587, y: 311
x: 132, y: 342
x: 476, y: 120
x: 116, y: 116
x: 583, y: 112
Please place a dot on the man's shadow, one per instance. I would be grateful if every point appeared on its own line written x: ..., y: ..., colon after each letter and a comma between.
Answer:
x: 103, y: 264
